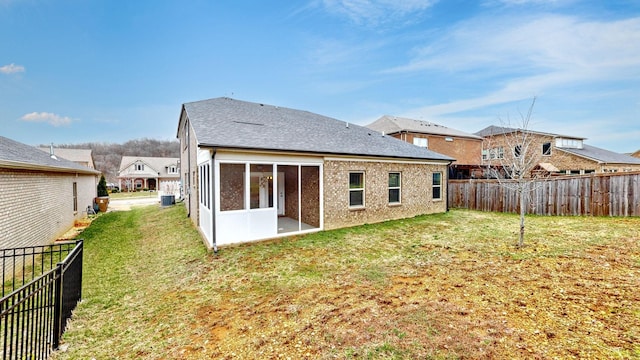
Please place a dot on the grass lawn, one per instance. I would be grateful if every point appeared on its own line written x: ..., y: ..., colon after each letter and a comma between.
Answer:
x: 446, y: 286
x: 136, y: 194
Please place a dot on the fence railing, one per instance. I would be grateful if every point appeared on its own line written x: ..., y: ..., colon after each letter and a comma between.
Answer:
x: 41, y: 287
x: 616, y: 194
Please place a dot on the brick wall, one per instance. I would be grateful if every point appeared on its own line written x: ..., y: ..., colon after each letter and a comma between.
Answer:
x: 416, y: 192
x: 560, y: 159
x: 189, y: 176
x: 466, y: 151
x: 37, y: 207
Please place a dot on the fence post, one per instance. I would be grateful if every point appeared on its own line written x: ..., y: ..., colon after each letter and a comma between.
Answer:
x: 57, y: 307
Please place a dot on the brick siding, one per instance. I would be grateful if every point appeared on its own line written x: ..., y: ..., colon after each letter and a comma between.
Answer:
x: 416, y: 192
x: 37, y: 207
x: 466, y: 151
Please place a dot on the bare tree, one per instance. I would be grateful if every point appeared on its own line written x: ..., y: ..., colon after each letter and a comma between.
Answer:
x: 514, y: 156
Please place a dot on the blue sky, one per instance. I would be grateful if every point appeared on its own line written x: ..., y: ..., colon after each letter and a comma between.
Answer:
x: 111, y: 71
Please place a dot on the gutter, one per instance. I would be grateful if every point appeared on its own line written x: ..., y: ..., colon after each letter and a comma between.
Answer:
x: 27, y: 166
x: 324, y: 153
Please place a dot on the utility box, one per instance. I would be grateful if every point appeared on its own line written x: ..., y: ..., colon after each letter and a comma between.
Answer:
x: 167, y: 200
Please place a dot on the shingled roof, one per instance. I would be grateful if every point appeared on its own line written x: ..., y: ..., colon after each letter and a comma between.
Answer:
x: 395, y: 124
x: 229, y: 123
x: 602, y: 155
x: 17, y: 155
x: 500, y: 130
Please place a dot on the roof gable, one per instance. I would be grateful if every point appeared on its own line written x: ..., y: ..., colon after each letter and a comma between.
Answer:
x: 153, y: 165
x: 230, y: 123
x: 394, y: 124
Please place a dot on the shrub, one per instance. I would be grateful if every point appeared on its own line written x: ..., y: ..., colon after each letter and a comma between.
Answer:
x: 102, y: 187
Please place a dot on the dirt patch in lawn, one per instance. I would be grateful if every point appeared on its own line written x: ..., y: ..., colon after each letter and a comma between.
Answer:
x: 468, y: 306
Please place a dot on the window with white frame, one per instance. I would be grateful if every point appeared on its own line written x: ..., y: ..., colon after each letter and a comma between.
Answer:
x: 422, y: 142
x: 569, y: 143
x: 139, y: 167
x: 172, y: 169
x: 436, y: 185
x: 356, y: 189
x: 394, y: 188
x: 75, y: 196
x: 205, y: 185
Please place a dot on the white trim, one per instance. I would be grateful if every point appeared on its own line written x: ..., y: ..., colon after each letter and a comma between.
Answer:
x: 390, y: 160
x: 246, y: 225
x: 226, y: 156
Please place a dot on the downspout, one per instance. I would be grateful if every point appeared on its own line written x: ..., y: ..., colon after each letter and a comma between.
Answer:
x: 188, y: 176
x: 213, y: 201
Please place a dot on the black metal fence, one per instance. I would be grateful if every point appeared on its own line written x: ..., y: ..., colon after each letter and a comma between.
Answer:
x: 41, y: 287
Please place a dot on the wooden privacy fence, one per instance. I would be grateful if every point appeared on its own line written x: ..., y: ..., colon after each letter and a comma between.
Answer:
x: 616, y: 194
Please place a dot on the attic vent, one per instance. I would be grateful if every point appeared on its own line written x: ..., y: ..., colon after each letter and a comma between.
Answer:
x: 248, y: 123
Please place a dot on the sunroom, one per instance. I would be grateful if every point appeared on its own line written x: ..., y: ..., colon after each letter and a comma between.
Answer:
x: 260, y: 197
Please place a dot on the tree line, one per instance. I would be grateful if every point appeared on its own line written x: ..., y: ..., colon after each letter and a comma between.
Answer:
x: 107, y: 156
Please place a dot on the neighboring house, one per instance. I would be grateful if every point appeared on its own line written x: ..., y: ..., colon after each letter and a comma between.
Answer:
x: 464, y: 147
x: 150, y: 173
x: 41, y: 196
x: 558, y: 154
x: 254, y: 171
x: 83, y: 157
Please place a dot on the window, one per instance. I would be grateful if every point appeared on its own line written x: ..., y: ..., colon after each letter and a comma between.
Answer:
x: 75, y: 197
x: 139, y: 167
x: 499, y: 151
x: 394, y: 188
x: 422, y: 142
x: 205, y: 185
x: 493, y: 153
x: 569, y: 143
x: 437, y: 186
x: 546, y: 149
x: 356, y: 189
x: 517, y: 150
x: 172, y: 169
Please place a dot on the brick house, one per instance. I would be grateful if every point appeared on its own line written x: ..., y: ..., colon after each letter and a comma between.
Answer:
x: 464, y: 147
x: 254, y: 171
x: 554, y: 154
x: 42, y: 195
x: 160, y: 174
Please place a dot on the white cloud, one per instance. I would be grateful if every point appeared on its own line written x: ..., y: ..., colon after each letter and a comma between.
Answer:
x: 50, y: 118
x: 526, y: 57
x: 373, y: 12
x: 11, y: 68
